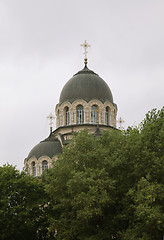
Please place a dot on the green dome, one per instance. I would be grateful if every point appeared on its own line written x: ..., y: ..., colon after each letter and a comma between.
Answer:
x: 49, y: 147
x: 85, y: 85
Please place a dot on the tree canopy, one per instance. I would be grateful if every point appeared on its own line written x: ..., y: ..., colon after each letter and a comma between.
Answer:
x: 23, y: 213
x: 110, y: 187
x: 100, y: 188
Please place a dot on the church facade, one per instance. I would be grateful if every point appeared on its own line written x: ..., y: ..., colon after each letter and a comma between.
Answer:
x: 85, y: 102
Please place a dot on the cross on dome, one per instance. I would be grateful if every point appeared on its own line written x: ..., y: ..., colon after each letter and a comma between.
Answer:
x: 120, y: 122
x: 51, y: 117
x: 85, y: 45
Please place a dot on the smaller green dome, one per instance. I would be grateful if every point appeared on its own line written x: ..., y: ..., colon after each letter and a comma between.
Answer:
x: 86, y: 85
x: 49, y: 147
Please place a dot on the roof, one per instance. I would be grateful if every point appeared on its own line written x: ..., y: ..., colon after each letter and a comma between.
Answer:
x: 49, y: 147
x: 86, y: 85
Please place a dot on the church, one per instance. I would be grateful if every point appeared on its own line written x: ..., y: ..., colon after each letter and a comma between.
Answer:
x: 86, y: 102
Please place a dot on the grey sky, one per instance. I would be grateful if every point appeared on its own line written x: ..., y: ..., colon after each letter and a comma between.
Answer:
x: 40, y: 50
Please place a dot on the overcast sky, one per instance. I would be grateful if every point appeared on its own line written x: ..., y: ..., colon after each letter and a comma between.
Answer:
x: 40, y: 51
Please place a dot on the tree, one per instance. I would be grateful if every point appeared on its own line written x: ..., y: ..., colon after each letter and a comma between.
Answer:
x: 83, y: 186
x: 146, y: 197
x: 23, y: 209
x: 110, y: 187
x: 148, y: 211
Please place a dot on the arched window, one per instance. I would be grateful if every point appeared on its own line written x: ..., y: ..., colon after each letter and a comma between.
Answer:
x: 44, y: 165
x: 94, y: 113
x: 107, y: 115
x: 33, y: 169
x: 67, y: 116
x: 80, y: 114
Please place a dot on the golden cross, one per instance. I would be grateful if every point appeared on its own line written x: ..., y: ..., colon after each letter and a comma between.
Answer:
x: 51, y: 117
x: 85, y: 45
x: 120, y: 121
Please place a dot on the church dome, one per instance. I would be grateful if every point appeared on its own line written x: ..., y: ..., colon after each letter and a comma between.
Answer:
x: 49, y: 147
x: 86, y: 85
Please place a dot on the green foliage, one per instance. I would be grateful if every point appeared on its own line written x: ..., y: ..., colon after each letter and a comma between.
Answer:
x: 22, y: 206
x: 105, y: 188
x: 110, y: 187
x: 147, y: 194
x: 81, y: 190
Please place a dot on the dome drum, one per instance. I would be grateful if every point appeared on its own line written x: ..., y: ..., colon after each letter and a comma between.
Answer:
x: 36, y: 167
x: 81, y: 112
